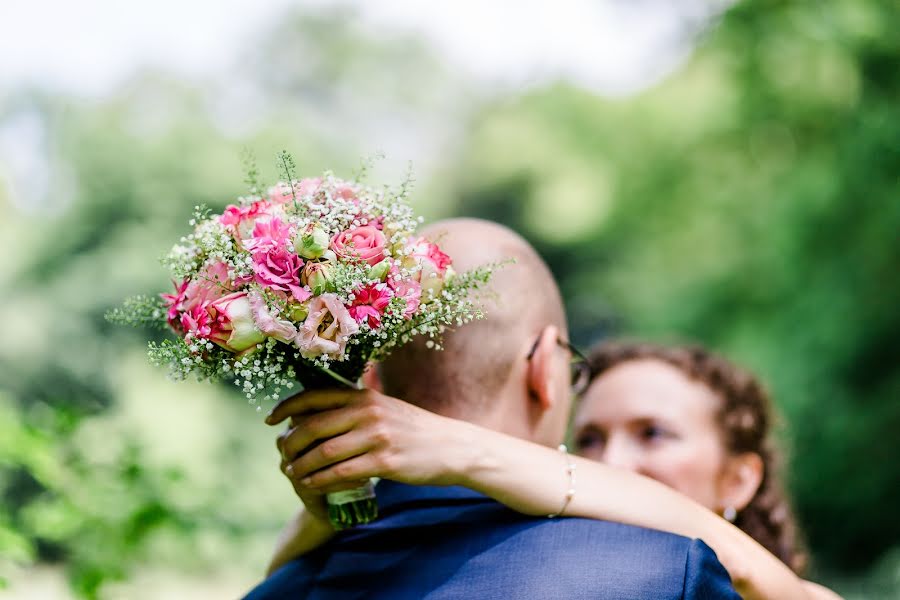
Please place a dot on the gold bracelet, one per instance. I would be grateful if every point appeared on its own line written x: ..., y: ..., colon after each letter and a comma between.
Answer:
x: 570, y: 493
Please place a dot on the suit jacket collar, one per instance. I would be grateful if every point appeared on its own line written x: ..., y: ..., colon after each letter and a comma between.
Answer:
x: 394, y: 496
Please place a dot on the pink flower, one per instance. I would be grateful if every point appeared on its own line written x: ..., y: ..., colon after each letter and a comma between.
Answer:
x: 278, y: 269
x: 240, y: 220
x: 195, y: 321
x: 431, y: 266
x: 175, y: 303
x: 422, y: 249
x: 365, y: 243
x: 344, y: 191
x: 208, y: 285
x: 369, y: 304
x: 271, y: 326
x: 268, y: 234
x: 309, y: 186
x: 410, y: 291
x: 231, y: 323
x: 376, y: 222
x: 281, y: 193
x: 327, y: 328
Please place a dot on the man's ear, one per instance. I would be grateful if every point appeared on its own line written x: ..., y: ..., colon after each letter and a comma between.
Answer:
x: 540, y: 369
x: 740, y: 480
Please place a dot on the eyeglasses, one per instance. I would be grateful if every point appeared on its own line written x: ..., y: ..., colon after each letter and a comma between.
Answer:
x: 579, y: 366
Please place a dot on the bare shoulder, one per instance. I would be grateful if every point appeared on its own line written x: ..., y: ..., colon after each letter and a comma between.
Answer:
x: 819, y: 592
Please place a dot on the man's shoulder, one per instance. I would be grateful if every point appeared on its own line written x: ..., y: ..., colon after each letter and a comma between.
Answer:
x: 489, y: 524
x: 604, y: 540
x: 589, y: 531
x: 450, y: 548
x: 508, y: 555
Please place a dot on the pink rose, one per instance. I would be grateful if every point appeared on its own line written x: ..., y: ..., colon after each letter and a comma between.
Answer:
x: 429, y: 264
x: 327, y: 328
x: 240, y: 220
x: 422, y: 249
x: 281, y: 193
x: 308, y: 186
x: 376, y: 222
x: 232, y: 325
x: 365, y: 243
x: 209, y: 284
x: 271, y: 326
x: 268, y: 234
x: 369, y: 304
x: 344, y: 191
x: 280, y: 270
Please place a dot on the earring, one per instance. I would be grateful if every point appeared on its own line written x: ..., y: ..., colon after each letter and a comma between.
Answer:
x: 729, y: 514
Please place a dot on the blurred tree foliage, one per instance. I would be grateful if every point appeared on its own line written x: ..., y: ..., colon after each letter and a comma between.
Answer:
x: 104, y: 465
x: 750, y: 202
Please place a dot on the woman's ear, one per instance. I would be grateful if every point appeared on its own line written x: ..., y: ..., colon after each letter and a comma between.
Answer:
x: 540, y: 369
x: 740, y: 480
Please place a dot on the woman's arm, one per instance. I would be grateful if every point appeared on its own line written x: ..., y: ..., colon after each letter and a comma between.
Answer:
x: 302, y: 534
x: 532, y: 479
x: 368, y: 434
x: 310, y: 528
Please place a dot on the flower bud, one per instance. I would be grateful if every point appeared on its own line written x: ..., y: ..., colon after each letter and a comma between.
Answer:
x: 449, y: 274
x: 317, y: 276
x: 299, y: 312
x: 312, y: 242
x: 380, y: 270
x: 234, y: 328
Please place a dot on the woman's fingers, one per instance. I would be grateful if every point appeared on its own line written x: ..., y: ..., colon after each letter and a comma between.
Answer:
x: 310, y: 401
x: 358, y: 468
x: 335, y: 450
x: 306, y: 430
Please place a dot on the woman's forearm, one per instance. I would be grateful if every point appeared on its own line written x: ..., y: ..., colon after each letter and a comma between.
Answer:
x: 532, y: 479
x: 302, y: 534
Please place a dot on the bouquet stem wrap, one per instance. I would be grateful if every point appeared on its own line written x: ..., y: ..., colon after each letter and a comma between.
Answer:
x: 350, y: 508
x: 347, y: 508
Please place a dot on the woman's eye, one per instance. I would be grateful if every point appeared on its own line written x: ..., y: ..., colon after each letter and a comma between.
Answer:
x: 589, y: 440
x: 653, y: 433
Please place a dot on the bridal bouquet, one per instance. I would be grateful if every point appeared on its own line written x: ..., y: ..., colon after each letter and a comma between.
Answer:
x: 307, y: 283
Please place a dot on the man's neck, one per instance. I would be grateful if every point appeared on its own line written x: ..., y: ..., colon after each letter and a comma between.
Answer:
x: 503, y: 417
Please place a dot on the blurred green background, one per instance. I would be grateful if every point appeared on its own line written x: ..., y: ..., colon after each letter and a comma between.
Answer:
x: 750, y: 200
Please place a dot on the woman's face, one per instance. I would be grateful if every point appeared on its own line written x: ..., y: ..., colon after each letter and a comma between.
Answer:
x: 647, y: 416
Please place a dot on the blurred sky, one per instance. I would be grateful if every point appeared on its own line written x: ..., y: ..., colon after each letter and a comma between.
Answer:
x: 615, y: 47
x: 89, y: 48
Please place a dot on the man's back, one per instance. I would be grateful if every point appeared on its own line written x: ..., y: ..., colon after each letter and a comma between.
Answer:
x: 441, y: 543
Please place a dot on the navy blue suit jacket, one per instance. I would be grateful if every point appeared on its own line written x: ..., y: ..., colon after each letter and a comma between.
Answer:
x: 438, y: 543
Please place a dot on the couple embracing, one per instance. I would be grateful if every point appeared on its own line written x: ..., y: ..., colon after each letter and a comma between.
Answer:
x: 472, y: 465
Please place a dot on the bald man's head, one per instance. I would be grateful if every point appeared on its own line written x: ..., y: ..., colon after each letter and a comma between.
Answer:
x: 522, y: 298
